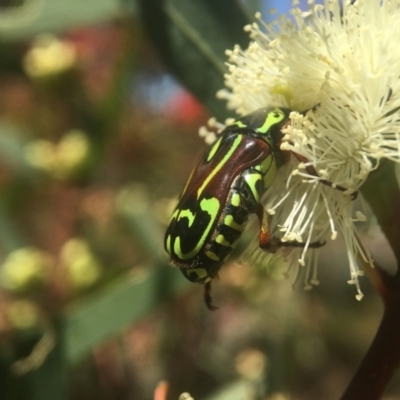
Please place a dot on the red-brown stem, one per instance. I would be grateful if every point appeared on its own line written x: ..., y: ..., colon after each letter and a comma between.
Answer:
x: 383, y: 357
x: 380, y: 363
x: 381, y: 190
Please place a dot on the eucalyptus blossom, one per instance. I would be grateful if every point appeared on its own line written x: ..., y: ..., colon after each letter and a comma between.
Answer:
x: 337, y: 67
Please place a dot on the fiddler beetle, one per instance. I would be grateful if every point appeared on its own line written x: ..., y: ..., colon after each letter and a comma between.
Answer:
x: 223, y: 189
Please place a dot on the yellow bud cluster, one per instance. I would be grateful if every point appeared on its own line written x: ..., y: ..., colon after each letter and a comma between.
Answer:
x: 61, y: 160
x: 23, y: 269
x: 49, y: 56
x: 83, y: 268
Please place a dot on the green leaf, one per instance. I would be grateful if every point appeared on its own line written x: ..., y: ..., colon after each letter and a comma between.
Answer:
x: 12, y: 148
x: 41, y: 16
x: 44, y: 383
x: 191, y: 37
x: 118, y: 305
x: 381, y: 190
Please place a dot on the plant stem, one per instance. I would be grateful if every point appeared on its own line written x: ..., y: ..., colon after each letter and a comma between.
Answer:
x: 381, y: 190
x: 381, y: 361
x: 383, y: 357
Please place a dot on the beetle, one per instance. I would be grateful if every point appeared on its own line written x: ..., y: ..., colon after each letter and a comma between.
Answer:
x: 222, y: 191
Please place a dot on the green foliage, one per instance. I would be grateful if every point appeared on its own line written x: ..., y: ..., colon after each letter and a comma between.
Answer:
x: 191, y: 36
x: 44, y: 16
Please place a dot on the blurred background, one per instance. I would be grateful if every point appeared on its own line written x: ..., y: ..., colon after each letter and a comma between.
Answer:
x: 100, y: 106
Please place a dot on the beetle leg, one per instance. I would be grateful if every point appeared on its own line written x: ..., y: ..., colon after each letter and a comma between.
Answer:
x: 271, y: 244
x: 207, y: 297
x: 311, y: 170
x: 266, y: 242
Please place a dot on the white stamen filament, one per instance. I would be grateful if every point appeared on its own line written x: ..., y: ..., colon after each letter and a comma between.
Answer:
x: 340, y: 62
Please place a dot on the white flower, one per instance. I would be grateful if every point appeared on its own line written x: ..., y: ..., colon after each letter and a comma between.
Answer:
x: 341, y: 62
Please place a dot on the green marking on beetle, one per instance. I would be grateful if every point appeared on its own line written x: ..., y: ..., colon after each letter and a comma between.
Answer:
x: 174, y: 214
x: 265, y: 164
x: 168, y: 244
x: 210, y: 206
x: 251, y: 180
x: 271, y: 120
x: 234, y: 244
x: 220, y: 239
x: 200, y: 272
x: 235, y: 200
x: 214, y: 149
x: 240, y: 124
x: 270, y: 173
x: 212, y: 255
x: 234, y: 146
x: 229, y: 221
x: 187, y: 214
